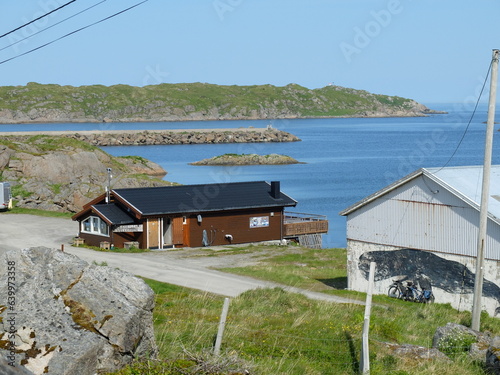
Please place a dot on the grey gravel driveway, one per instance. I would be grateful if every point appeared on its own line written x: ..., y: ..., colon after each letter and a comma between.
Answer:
x: 179, y: 267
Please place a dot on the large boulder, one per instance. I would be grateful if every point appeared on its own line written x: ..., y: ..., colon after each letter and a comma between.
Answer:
x: 64, y: 316
x: 493, y: 357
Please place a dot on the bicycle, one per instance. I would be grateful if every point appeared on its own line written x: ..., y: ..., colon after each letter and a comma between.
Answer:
x: 398, y: 290
x: 420, y: 296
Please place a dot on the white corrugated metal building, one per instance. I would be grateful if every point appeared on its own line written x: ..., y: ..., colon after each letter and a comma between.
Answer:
x: 435, y: 213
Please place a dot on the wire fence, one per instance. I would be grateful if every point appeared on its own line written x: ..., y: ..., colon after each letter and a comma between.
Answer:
x: 339, y: 350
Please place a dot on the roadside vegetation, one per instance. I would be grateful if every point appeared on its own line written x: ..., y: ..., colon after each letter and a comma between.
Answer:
x: 31, y: 211
x: 271, y: 331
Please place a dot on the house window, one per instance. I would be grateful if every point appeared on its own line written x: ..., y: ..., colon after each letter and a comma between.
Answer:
x: 95, y: 225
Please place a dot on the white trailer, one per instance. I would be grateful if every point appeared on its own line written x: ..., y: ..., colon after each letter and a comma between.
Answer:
x: 5, y: 196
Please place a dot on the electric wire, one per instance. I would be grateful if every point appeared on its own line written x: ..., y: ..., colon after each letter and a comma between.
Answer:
x: 36, y: 19
x: 71, y: 33
x: 49, y: 27
x: 470, y: 120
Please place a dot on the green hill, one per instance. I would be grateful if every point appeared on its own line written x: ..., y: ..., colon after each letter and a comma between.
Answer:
x: 193, y: 101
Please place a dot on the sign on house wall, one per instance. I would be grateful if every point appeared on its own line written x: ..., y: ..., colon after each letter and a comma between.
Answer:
x: 259, y: 221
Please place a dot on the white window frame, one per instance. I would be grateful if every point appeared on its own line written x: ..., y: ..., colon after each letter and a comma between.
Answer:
x: 96, y: 225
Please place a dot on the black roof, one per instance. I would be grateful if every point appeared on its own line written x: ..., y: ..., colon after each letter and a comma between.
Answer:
x: 113, y: 214
x: 202, y: 198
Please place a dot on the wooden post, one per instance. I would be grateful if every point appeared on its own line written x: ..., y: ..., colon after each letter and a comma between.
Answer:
x: 483, y: 215
x: 365, y: 349
x: 222, y: 325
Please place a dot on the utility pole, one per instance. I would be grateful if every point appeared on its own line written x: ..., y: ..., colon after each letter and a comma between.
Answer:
x: 485, y: 194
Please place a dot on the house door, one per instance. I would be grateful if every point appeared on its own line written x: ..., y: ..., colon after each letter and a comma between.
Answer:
x: 178, y: 231
x: 153, y: 233
x: 167, y: 232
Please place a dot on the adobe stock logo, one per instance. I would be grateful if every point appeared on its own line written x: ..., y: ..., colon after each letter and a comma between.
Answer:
x: 363, y: 36
x: 46, y: 6
x: 221, y: 7
x: 154, y: 75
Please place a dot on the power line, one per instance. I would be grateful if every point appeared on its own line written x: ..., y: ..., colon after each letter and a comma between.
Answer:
x: 470, y: 120
x: 36, y: 19
x: 73, y: 32
x: 49, y: 27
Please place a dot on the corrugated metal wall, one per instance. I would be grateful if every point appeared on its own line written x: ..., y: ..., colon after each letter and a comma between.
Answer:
x: 422, y: 215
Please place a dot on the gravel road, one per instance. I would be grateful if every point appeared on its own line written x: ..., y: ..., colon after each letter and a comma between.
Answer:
x: 184, y: 267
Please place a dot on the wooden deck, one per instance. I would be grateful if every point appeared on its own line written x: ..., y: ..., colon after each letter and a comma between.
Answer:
x: 298, y: 224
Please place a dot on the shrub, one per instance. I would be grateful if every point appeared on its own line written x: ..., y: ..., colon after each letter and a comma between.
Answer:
x: 457, y: 343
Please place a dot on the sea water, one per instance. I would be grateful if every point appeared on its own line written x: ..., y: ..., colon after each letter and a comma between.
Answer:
x: 342, y: 160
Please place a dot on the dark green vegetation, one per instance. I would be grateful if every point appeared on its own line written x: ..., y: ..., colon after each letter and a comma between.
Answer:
x: 270, y: 331
x: 193, y: 101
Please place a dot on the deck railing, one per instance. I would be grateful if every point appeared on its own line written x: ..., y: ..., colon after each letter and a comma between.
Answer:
x: 297, y: 223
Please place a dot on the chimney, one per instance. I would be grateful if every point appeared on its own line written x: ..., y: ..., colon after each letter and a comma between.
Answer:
x: 275, y: 189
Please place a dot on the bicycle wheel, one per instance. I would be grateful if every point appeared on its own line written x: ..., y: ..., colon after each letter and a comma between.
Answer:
x: 411, y: 295
x: 430, y: 299
x: 393, y: 292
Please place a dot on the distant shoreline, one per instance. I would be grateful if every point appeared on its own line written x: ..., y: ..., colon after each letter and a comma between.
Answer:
x: 51, y: 103
x: 142, y: 120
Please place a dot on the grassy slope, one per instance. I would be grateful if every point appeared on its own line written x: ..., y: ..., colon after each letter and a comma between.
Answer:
x: 275, y: 332
x: 97, y: 100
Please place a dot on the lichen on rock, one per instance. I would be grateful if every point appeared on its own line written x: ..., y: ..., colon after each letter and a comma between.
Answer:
x: 75, y: 318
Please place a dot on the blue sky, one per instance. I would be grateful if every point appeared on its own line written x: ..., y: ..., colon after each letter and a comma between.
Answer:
x: 428, y: 50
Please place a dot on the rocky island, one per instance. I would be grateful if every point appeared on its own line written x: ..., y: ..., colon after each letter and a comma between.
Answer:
x: 51, y: 103
x: 247, y: 159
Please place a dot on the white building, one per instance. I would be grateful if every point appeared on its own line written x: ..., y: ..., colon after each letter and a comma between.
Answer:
x: 428, y: 222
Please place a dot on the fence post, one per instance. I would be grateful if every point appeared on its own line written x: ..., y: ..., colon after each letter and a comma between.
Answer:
x: 365, y: 349
x: 222, y: 325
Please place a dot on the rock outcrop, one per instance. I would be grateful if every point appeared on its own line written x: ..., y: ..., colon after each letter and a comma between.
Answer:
x: 247, y: 159
x: 455, y: 339
x: 63, y: 316
x: 56, y: 174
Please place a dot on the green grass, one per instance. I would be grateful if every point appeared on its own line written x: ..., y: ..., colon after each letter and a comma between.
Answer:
x: 312, y: 269
x: 116, y: 249
x: 45, y: 143
x: 270, y: 331
x: 32, y: 211
x: 56, y: 188
x: 134, y: 159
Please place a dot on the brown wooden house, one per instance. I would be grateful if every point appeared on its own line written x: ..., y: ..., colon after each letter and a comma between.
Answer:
x: 186, y: 216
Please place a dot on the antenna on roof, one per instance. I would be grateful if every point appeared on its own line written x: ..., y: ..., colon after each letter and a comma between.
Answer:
x: 108, y: 188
